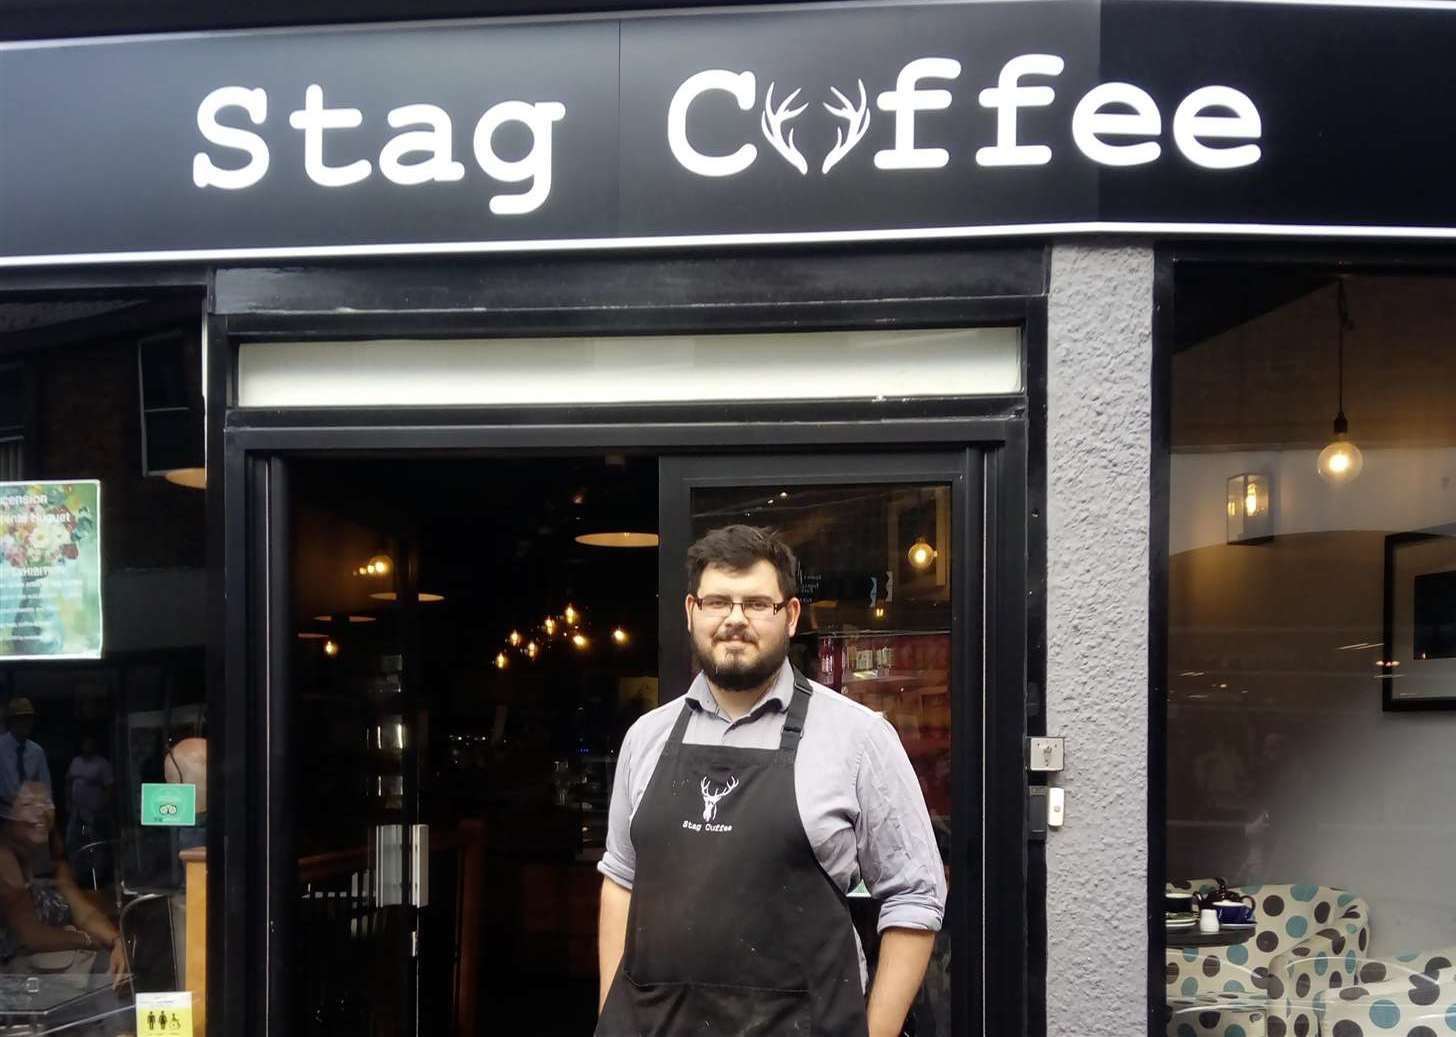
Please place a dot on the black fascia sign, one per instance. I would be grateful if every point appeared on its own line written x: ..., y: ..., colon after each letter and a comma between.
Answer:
x: 860, y: 123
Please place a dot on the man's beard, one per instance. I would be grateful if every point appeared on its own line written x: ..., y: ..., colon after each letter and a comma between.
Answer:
x: 741, y: 676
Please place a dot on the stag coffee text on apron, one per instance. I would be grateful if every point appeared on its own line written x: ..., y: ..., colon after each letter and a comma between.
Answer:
x: 735, y: 929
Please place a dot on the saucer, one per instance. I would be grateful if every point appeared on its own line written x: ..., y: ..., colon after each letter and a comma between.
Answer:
x: 1180, y: 923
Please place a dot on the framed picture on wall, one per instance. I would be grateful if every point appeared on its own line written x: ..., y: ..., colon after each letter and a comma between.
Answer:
x: 1419, y: 661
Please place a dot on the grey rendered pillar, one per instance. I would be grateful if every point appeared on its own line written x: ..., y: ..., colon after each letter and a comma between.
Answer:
x: 1099, y: 415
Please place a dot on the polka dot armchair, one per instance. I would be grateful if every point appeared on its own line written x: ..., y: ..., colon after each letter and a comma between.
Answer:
x: 1410, y: 995
x: 1309, y: 940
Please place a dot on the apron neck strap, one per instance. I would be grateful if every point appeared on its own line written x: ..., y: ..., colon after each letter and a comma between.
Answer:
x: 798, y: 709
x: 793, y: 722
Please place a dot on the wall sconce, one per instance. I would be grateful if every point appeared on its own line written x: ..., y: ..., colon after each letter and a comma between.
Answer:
x: 1249, y: 517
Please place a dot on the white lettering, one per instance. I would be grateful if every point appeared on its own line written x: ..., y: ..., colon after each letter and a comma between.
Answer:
x: 255, y: 103
x: 743, y: 89
x: 433, y: 142
x: 313, y: 118
x: 1007, y: 97
x: 907, y: 99
x: 692, y: 826
x: 1090, y: 123
x: 534, y: 166
x: 1190, y: 124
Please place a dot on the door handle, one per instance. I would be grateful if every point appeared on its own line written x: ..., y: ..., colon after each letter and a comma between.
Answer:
x: 420, y: 865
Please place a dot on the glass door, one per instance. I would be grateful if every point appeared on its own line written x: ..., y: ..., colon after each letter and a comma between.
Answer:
x: 359, y: 849
x: 889, y: 550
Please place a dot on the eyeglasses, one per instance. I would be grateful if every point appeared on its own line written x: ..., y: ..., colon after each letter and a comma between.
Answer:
x: 715, y: 606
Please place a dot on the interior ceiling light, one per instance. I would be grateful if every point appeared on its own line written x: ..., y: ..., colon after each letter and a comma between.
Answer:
x: 361, y: 619
x: 309, y: 635
x: 619, y: 635
x: 921, y: 555
x: 192, y: 478
x: 618, y: 539
x: 580, y: 640
x: 1340, y: 462
x: 514, y: 639
x: 424, y: 596
x: 549, y: 626
x: 331, y: 648
x: 379, y: 565
x: 532, y: 649
x: 571, y: 616
x: 502, y: 661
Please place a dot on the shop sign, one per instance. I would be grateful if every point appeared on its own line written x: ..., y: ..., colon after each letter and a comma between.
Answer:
x: 166, y: 1014
x: 50, y: 570
x: 852, y: 123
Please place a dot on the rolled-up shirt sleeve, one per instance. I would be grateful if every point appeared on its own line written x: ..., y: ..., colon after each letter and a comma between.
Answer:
x: 619, y: 862
x: 898, y: 857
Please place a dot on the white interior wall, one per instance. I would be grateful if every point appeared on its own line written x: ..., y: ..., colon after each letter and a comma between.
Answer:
x: 1358, y: 798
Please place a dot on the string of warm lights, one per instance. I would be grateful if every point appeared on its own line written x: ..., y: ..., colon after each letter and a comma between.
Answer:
x: 566, y: 628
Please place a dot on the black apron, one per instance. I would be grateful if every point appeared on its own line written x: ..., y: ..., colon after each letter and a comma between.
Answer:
x: 735, y: 930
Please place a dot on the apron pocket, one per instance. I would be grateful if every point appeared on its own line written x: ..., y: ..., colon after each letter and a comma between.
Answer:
x: 713, y: 1010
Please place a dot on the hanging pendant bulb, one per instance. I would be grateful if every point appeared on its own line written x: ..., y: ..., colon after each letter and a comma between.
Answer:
x: 1341, y: 461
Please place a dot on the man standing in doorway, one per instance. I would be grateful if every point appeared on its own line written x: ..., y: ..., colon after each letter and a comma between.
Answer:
x: 740, y: 818
x: 21, y: 760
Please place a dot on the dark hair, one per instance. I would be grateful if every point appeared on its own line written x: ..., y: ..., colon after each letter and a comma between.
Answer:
x: 738, y: 548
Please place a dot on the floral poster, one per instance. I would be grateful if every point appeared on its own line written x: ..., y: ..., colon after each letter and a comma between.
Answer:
x: 50, y: 570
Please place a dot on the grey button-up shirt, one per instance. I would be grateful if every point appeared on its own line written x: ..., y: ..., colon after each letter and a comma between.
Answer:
x: 858, y: 796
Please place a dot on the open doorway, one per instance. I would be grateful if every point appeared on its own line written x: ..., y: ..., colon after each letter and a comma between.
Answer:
x: 465, y: 664
x: 471, y: 639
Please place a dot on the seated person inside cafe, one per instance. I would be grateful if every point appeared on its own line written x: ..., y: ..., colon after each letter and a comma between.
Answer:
x: 50, y: 925
x: 741, y: 817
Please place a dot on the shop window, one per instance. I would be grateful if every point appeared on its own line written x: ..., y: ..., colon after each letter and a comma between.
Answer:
x: 169, y: 367
x: 1311, y: 647
x: 102, y: 681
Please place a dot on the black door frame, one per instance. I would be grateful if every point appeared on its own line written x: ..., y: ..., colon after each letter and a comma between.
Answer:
x: 947, y: 287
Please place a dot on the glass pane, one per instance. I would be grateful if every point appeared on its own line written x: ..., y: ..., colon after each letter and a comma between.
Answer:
x: 875, y: 563
x: 1310, y: 602
x: 83, y: 736
x: 809, y: 365
x: 350, y: 731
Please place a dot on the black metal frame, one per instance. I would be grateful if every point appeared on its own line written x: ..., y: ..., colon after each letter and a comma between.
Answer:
x: 1170, y: 258
x: 1389, y: 703
x: 935, y: 287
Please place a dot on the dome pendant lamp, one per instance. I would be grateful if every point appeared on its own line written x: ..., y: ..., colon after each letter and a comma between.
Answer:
x: 1340, y: 462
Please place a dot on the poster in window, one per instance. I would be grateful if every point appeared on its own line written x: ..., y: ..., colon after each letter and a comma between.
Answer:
x: 50, y: 570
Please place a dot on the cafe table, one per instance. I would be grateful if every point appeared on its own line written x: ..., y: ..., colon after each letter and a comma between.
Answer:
x: 1190, y: 936
x: 31, y: 1004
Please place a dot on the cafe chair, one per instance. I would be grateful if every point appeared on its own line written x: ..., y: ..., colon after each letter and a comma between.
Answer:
x: 1409, y: 995
x: 1308, y: 940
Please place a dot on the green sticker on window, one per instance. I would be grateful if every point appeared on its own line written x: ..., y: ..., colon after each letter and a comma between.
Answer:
x: 171, y: 805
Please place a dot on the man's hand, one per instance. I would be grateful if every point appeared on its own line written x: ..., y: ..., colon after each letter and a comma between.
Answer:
x: 904, y: 954
x: 611, y: 935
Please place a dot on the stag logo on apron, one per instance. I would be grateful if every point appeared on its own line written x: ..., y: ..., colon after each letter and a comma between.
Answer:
x: 713, y: 794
